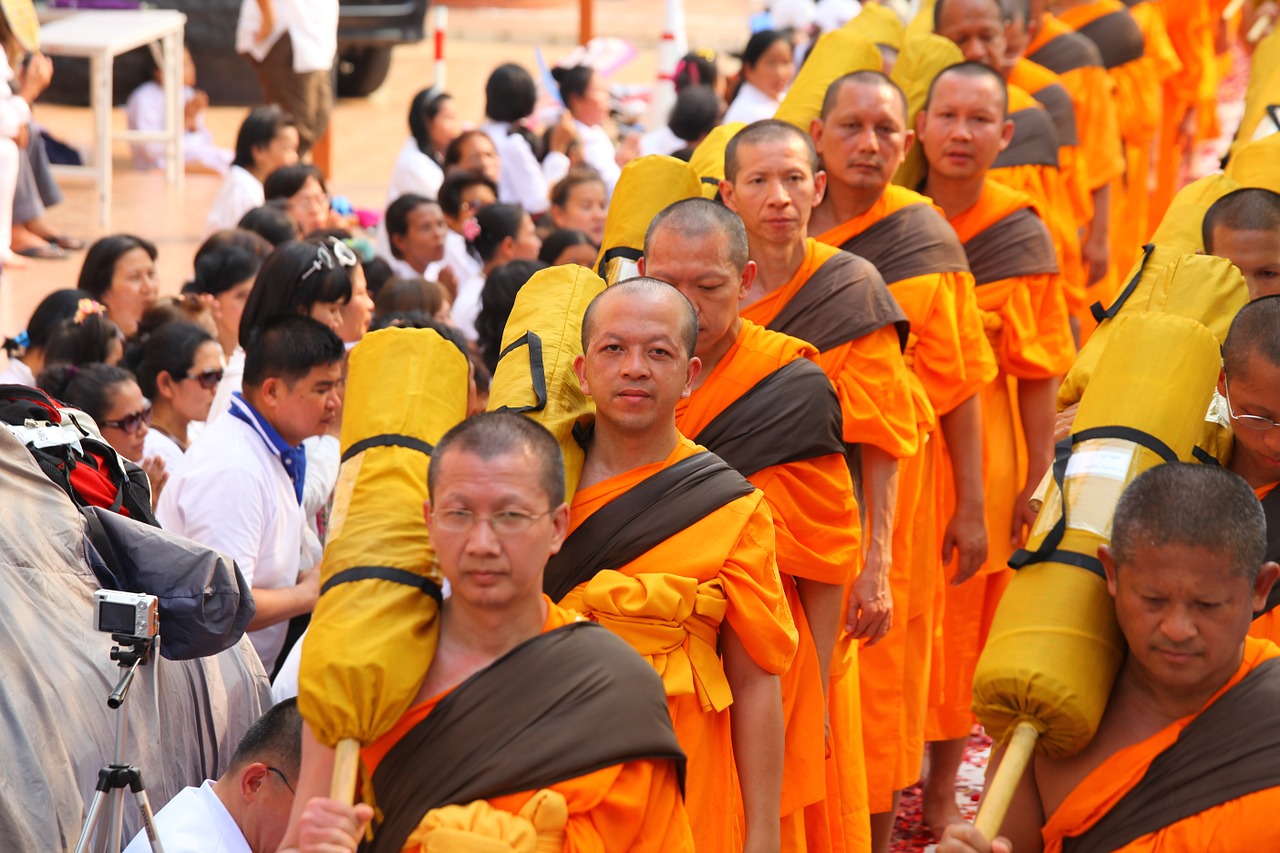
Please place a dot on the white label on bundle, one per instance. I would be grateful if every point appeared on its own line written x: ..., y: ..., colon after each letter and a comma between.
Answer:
x: 1112, y: 463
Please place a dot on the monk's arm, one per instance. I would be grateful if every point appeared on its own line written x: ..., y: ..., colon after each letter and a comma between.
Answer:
x: 1096, y: 248
x: 967, y: 528
x: 1037, y: 404
x: 757, y: 731
x: 871, y: 602
x: 822, y: 602
x: 1025, y: 818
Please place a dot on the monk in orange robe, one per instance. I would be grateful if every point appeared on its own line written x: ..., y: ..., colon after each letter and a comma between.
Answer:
x: 673, y: 550
x: 838, y: 303
x: 862, y: 138
x: 1186, y: 756
x: 1011, y: 258
x: 762, y: 404
x: 514, y: 683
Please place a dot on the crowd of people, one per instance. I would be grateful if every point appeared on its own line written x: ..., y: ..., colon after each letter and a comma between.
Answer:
x: 823, y: 414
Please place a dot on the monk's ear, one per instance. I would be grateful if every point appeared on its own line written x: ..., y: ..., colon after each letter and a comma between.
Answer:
x: 1108, y: 561
x: 1262, y: 586
x: 819, y: 187
x: 908, y: 140
x: 1006, y: 134
x: 695, y: 367
x: 640, y: 266
x: 726, y: 195
x: 921, y: 121
x: 580, y: 368
x: 559, y: 527
x: 748, y: 279
x: 1222, y: 381
x: 815, y: 133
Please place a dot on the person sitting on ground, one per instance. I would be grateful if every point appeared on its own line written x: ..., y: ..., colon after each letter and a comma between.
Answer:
x: 1244, y: 227
x: 463, y: 194
x: 1184, y: 757
x: 694, y: 70
x: 120, y: 272
x: 496, y: 494
x: 768, y: 64
x: 585, y: 94
x: 26, y: 349
x: 240, y: 488
x: 474, y: 151
x: 416, y: 230
x: 178, y: 367
x: 87, y: 337
x: 580, y: 200
x: 568, y: 246
x: 146, y: 111
x: 499, y: 234
x: 433, y: 124
x: 247, y: 807
x: 266, y: 141
x: 226, y: 266
x: 306, y: 198
x: 271, y: 221
x: 405, y: 295
x: 499, y: 297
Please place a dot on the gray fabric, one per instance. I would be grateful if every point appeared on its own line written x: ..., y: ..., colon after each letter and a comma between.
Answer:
x: 36, y: 188
x: 55, y: 673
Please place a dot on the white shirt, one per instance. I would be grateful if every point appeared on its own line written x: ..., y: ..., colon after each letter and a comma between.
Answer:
x: 456, y: 257
x: 156, y: 443
x: 598, y: 153
x: 232, y: 381
x: 466, y: 308
x: 312, y: 26
x: 145, y: 110
x: 17, y: 373
x: 240, y: 193
x: 523, y: 180
x: 414, y: 172
x: 661, y: 141
x: 15, y: 113
x: 751, y: 105
x: 231, y: 493
x: 194, y: 821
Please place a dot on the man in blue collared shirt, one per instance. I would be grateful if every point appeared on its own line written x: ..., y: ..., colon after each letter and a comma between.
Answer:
x: 239, y: 488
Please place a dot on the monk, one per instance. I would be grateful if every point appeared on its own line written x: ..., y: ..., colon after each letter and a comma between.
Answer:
x: 492, y: 747
x: 1244, y: 227
x: 1186, y: 755
x: 962, y: 129
x: 862, y: 137
x: 762, y: 404
x: 837, y: 302
x: 674, y: 550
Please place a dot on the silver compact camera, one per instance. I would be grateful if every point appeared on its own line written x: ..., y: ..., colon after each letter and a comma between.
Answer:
x: 133, y: 614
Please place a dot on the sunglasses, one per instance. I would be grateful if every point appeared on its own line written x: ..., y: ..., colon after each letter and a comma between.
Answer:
x: 340, y: 256
x: 208, y: 379
x: 132, y: 423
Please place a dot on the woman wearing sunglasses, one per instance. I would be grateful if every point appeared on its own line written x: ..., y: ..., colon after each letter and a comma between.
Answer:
x: 178, y: 367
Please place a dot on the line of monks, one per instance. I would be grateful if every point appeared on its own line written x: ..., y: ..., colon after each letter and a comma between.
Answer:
x: 879, y: 368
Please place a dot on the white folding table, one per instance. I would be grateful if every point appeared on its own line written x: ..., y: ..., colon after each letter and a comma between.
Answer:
x: 101, y: 36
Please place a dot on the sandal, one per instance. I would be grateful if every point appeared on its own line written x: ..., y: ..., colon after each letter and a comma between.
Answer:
x: 47, y: 252
x: 71, y: 244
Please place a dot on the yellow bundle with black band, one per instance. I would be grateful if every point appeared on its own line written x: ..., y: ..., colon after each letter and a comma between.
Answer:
x: 1054, y: 649
x: 645, y: 187
x: 708, y: 157
x: 836, y: 54
x: 535, y: 374
x: 376, y: 625
x: 923, y: 57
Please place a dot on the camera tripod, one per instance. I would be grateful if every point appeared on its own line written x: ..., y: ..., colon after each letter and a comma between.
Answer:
x: 118, y: 775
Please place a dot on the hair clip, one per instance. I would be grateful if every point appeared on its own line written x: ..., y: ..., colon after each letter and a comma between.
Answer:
x: 471, y: 229
x: 22, y: 339
x: 86, y: 308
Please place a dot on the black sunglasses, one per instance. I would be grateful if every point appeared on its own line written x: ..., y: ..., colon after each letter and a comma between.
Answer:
x: 132, y: 423
x: 208, y: 379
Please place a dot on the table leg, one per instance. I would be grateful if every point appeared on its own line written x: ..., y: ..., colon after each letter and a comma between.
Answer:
x: 174, y: 105
x: 100, y: 73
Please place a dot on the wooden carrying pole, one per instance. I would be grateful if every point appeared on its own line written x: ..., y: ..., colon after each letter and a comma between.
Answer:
x: 995, y: 804
x: 346, y: 765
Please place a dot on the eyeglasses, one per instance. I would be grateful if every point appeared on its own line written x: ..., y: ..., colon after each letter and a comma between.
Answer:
x: 133, y: 422
x: 311, y: 202
x: 1257, y: 423
x: 280, y: 773
x: 474, y: 207
x: 208, y: 379
x: 507, y: 523
x: 341, y: 256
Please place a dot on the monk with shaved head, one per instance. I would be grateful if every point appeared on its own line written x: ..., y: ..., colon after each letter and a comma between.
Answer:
x: 673, y: 550
x: 1244, y: 227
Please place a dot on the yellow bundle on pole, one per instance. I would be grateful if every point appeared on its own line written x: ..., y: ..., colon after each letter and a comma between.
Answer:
x: 1262, y: 97
x: 1051, y: 657
x: 1254, y: 164
x: 646, y: 185
x: 836, y: 54
x: 880, y: 24
x: 535, y: 374
x: 923, y: 57
x: 708, y: 157
x: 376, y: 625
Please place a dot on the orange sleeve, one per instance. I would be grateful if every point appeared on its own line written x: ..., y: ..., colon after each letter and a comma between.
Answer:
x: 1097, y: 123
x: 874, y: 388
x: 1013, y: 326
x: 1053, y: 323
x: 815, y: 518
x: 938, y: 360
x: 980, y: 365
x: 758, y: 610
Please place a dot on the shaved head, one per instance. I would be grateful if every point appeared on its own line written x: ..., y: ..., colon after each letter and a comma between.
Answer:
x: 863, y: 78
x: 646, y: 288
x: 973, y: 71
x: 1002, y: 11
x: 492, y: 434
x: 1255, y: 332
x: 1249, y: 209
x: 699, y: 217
x: 760, y: 132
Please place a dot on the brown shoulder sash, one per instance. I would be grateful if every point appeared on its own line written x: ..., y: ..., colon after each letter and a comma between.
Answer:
x: 1057, y: 102
x: 519, y: 724
x: 1035, y: 141
x: 790, y: 415
x: 654, y: 510
x: 1117, y: 36
x: 1231, y: 750
x: 1018, y: 244
x: 1271, y: 509
x: 913, y: 240
x: 845, y: 299
x: 1066, y: 52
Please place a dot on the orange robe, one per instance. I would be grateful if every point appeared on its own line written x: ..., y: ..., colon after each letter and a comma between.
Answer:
x: 631, y: 806
x: 1026, y: 322
x: 1165, y: 64
x: 818, y: 537
x: 874, y: 386
x: 1245, y: 823
x: 1190, y: 26
x: 729, y: 557
x: 894, y: 673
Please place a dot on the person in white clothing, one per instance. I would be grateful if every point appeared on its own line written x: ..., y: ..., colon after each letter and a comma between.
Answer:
x: 15, y: 115
x: 247, y: 809
x: 579, y: 200
x: 498, y: 234
x: 586, y: 96
x: 463, y: 194
x: 509, y: 99
x: 178, y: 367
x: 240, y: 487
x: 267, y: 140
x: 292, y: 44
x: 768, y: 64
x: 419, y: 167
x: 695, y: 114
x: 417, y: 230
x: 26, y: 349
x: 226, y: 266
x: 146, y: 111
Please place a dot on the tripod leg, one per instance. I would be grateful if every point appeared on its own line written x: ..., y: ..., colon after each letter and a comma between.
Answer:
x: 148, y: 819
x: 90, y: 822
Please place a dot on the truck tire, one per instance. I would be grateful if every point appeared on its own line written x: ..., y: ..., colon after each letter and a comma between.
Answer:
x: 362, y: 70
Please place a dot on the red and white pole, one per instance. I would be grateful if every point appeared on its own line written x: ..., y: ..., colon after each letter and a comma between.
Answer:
x: 441, y: 25
x: 672, y: 47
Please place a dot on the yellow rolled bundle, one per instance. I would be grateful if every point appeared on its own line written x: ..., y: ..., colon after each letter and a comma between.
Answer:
x: 535, y: 374
x: 708, y: 157
x: 1262, y: 97
x: 880, y: 24
x: 923, y: 57
x: 646, y: 185
x: 1054, y: 648
x: 1254, y: 165
x: 375, y: 626
x: 836, y: 54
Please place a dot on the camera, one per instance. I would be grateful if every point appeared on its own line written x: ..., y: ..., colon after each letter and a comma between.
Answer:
x: 133, y: 614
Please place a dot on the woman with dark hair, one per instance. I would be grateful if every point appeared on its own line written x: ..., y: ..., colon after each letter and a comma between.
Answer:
x: 271, y: 221
x: 120, y: 272
x: 111, y: 396
x: 568, y: 246
x: 267, y: 140
x: 509, y: 99
x: 26, y: 350
x: 433, y: 124
x: 499, y: 296
x: 695, y: 114
x: 306, y: 198
x: 88, y: 337
x: 499, y: 234
x: 580, y: 200
x: 698, y: 68
x: 402, y: 295
x: 768, y: 64
x: 225, y: 268
x: 416, y: 229
x: 462, y: 195
x: 178, y: 368
x: 586, y: 95
x: 474, y: 151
